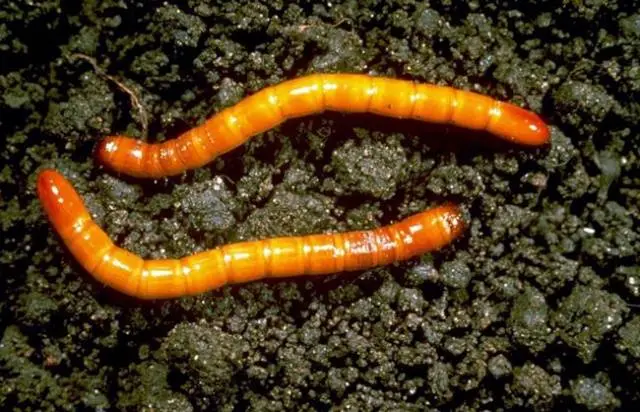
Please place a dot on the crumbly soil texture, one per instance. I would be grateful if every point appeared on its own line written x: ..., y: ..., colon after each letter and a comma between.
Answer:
x: 535, y: 307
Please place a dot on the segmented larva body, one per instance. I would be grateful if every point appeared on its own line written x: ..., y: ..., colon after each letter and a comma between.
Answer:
x: 314, y: 94
x: 240, y: 262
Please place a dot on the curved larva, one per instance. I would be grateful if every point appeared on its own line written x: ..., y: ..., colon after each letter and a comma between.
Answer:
x: 240, y: 262
x: 313, y: 94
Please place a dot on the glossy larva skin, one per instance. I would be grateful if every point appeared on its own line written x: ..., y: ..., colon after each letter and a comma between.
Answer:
x: 239, y: 262
x: 312, y: 94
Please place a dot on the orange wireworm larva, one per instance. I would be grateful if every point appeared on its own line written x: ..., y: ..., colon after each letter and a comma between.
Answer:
x: 239, y: 262
x: 284, y: 256
x: 312, y: 94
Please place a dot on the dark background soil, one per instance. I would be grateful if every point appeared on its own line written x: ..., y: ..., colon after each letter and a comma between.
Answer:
x: 535, y: 307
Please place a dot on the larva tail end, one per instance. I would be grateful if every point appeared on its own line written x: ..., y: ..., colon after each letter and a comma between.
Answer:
x: 59, y: 199
x: 521, y: 126
x: 47, y: 189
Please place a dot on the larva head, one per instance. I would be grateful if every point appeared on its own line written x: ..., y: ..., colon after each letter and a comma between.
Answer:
x: 518, y: 125
x: 59, y: 200
x: 451, y: 222
x: 120, y: 154
x: 454, y: 217
x: 432, y: 229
